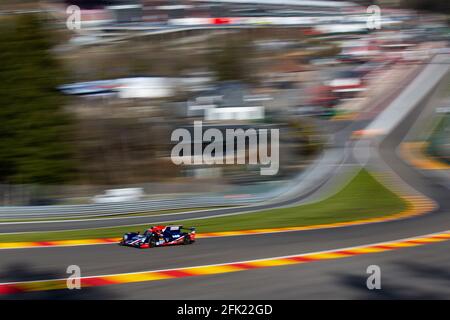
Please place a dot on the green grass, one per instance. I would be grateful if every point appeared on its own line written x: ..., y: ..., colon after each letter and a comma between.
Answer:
x: 363, y: 197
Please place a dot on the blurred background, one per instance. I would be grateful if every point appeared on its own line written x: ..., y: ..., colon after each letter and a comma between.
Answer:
x: 86, y: 114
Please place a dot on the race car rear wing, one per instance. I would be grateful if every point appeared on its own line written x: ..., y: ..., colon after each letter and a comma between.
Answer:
x: 176, y: 228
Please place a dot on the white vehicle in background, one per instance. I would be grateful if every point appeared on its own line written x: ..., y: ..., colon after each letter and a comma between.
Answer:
x: 444, y: 110
x: 119, y: 195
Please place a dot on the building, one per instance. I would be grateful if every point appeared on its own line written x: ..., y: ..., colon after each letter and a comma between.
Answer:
x: 234, y: 113
x: 229, y: 101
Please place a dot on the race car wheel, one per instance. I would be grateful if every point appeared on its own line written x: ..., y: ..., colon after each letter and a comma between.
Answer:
x: 187, y: 239
x: 151, y: 242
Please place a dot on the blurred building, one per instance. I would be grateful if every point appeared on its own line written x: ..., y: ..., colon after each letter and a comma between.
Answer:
x: 269, y: 7
x: 229, y: 101
x: 164, y: 10
x: 236, y: 113
x: 126, y: 13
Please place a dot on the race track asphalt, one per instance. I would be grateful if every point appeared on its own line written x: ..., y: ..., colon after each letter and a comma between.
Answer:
x: 410, y: 273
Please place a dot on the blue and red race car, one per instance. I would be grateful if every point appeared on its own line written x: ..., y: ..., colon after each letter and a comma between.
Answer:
x: 158, y: 236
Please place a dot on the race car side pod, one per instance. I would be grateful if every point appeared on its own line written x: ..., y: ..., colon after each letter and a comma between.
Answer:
x: 192, y: 235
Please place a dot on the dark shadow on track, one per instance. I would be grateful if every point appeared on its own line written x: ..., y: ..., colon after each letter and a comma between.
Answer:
x: 26, y: 272
x: 425, y: 283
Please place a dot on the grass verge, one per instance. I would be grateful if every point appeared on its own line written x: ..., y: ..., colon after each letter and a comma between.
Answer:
x: 364, y: 197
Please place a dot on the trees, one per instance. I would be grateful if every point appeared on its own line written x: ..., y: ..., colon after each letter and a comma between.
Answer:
x: 440, y: 6
x: 231, y: 60
x: 34, y: 128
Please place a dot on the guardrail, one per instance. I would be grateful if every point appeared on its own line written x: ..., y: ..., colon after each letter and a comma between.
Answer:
x: 17, y: 212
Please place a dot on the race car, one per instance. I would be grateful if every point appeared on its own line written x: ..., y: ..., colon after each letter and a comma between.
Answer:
x: 157, y: 236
